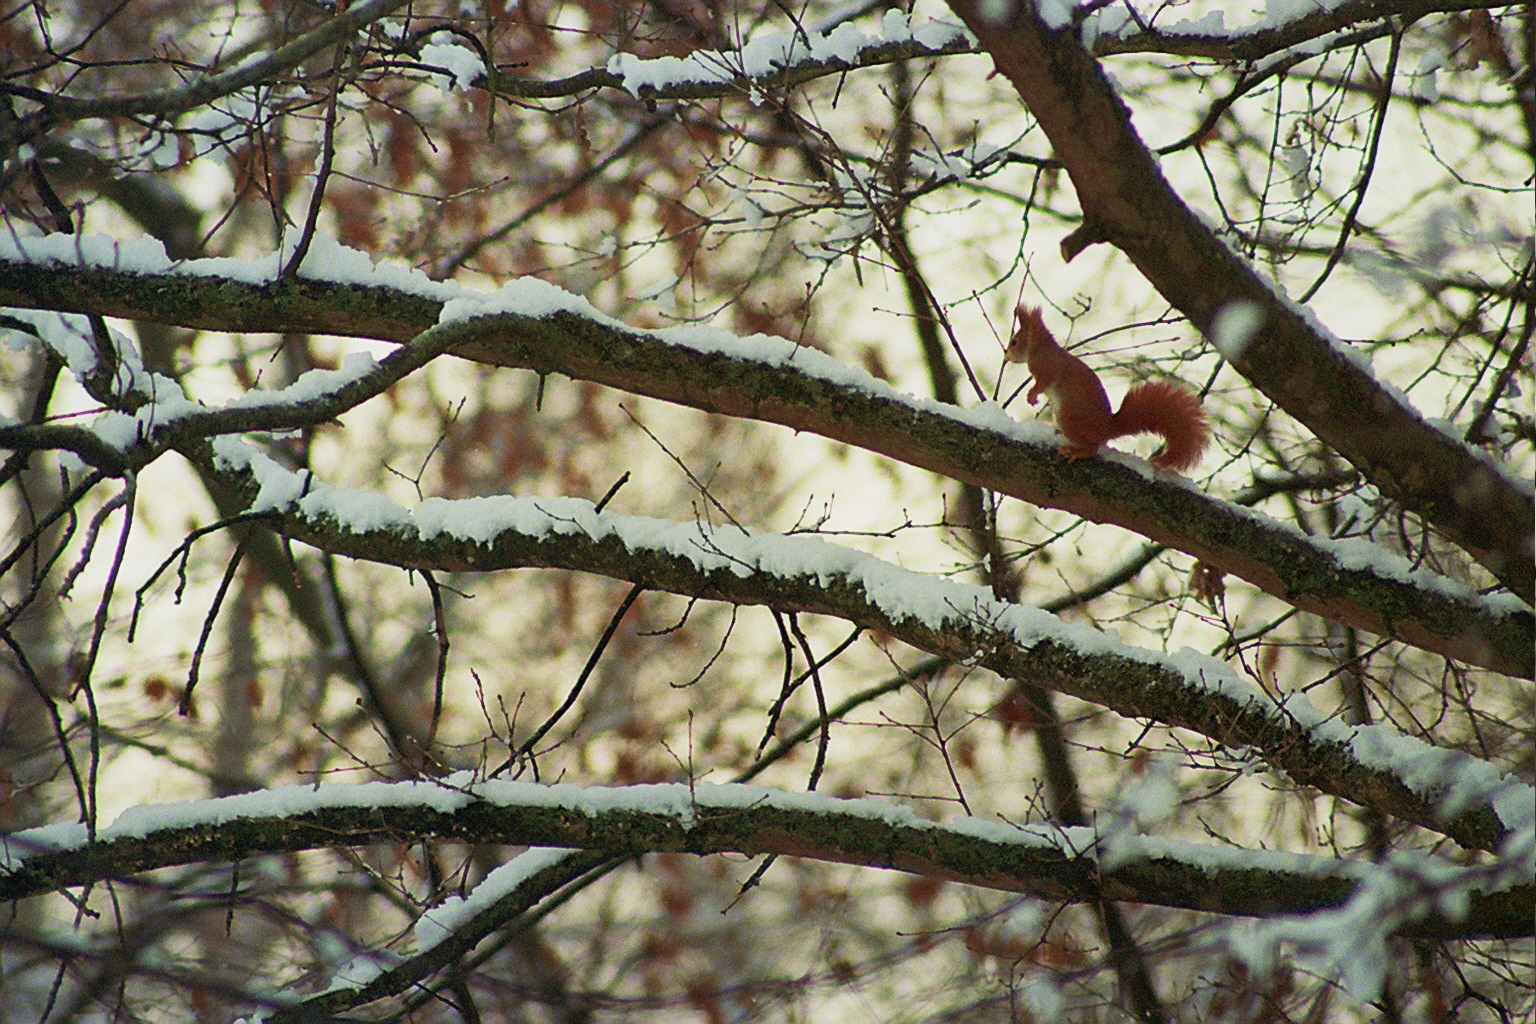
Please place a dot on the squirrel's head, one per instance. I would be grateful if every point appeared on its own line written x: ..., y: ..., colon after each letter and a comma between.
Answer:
x: 1028, y: 333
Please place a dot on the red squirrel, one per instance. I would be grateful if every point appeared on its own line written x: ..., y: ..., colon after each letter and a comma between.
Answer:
x: 1082, y: 407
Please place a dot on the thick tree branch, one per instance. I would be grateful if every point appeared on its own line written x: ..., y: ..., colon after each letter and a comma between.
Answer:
x: 1127, y: 201
x: 738, y: 379
x: 962, y: 623
x: 1053, y: 863
x: 712, y: 74
x: 1267, y: 40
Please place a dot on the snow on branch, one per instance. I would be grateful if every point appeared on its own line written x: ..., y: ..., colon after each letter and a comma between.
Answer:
x: 1442, y: 790
x: 778, y: 59
x: 770, y: 60
x: 449, y: 930
x: 533, y: 325
x: 1051, y: 862
x: 1308, y: 26
x: 782, y: 59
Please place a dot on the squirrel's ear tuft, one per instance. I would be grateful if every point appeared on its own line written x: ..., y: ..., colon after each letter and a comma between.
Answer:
x: 1030, y: 331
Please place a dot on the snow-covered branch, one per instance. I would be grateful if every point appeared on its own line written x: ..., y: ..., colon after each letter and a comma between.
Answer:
x: 533, y: 325
x: 1054, y: 863
x: 784, y: 59
x: 164, y: 417
x: 774, y: 60
x: 1375, y: 766
x: 1113, y: 30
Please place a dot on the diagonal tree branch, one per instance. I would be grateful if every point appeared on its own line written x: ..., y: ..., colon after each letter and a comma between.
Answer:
x: 1444, y: 791
x: 771, y: 380
x: 504, y: 908
x: 1288, y: 355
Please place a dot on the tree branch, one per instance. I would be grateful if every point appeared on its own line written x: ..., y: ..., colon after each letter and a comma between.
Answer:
x: 1270, y: 39
x: 804, y: 390
x: 1445, y: 791
x: 1049, y: 862
x: 711, y: 74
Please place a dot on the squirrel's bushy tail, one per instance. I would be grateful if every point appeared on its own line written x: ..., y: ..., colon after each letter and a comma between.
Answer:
x: 1158, y: 407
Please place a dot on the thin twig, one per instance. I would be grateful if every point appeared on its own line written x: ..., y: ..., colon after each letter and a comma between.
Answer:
x: 440, y: 625
x: 824, y: 738
x: 526, y: 749
x: 1367, y: 169
x: 323, y: 173
x: 184, y: 706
